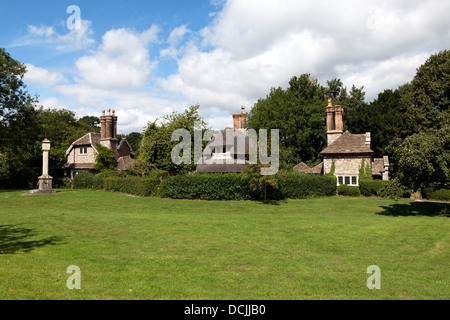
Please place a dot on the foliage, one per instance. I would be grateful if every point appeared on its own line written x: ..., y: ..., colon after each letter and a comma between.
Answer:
x: 241, y: 186
x: 118, y: 182
x: 365, y: 171
x: 156, y: 147
x: 394, y: 190
x: 301, y: 186
x: 207, y: 186
x: 371, y: 187
x: 441, y: 195
x: 346, y: 190
x: 83, y: 180
x: 4, y: 168
x: 260, y: 183
x: 423, y: 159
x: 105, y: 159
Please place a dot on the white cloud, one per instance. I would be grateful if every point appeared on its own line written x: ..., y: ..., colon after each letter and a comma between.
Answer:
x: 72, y: 40
x: 177, y: 34
x: 121, y: 62
x: 38, y: 75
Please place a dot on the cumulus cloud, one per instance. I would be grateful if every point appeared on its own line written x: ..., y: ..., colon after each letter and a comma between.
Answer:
x: 254, y: 45
x: 39, y: 75
x: 121, y: 62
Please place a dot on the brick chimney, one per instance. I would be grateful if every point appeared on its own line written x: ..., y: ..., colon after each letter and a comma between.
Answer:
x: 240, y: 120
x: 335, y: 123
x: 108, y: 130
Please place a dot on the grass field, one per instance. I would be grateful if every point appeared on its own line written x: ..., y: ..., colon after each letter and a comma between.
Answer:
x: 151, y: 248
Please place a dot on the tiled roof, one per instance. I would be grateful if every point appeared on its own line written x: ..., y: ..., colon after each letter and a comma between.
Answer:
x: 348, y: 143
x: 304, y: 168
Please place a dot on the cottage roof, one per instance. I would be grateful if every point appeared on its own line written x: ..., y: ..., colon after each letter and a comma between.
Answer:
x: 304, y: 168
x: 348, y: 143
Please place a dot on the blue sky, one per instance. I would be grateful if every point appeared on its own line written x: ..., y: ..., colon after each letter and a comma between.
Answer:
x: 146, y: 59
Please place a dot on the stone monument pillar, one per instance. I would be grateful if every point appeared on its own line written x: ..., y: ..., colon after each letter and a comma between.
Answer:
x: 45, y: 181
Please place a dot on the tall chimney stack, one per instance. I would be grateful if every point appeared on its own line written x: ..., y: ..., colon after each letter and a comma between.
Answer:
x: 240, y: 120
x: 335, y: 123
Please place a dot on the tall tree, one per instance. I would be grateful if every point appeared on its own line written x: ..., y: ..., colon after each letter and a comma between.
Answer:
x: 156, y: 146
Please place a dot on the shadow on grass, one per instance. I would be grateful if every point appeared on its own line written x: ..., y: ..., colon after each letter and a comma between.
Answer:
x: 416, y: 209
x: 17, y: 239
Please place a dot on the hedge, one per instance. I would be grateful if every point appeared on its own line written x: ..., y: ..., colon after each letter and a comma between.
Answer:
x: 116, y: 181
x: 302, y: 186
x: 209, y: 186
x: 440, y: 195
x: 346, y: 190
x: 371, y: 187
x: 234, y: 186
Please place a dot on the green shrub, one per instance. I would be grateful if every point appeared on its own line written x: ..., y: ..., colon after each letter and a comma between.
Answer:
x: 147, y: 186
x: 371, y: 187
x: 440, y: 195
x: 83, y: 180
x: 302, y: 186
x: 207, y: 186
x: 346, y: 190
x: 393, y: 190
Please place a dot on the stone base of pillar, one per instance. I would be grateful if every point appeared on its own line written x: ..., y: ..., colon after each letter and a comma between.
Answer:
x: 45, y: 185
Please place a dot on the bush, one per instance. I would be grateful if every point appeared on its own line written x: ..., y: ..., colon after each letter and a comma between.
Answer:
x: 371, y: 187
x: 236, y: 186
x: 83, y: 180
x: 207, y: 186
x: 346, y: 190
x: 440, y: 195
x: 301, y: 186
x: 393, y: 190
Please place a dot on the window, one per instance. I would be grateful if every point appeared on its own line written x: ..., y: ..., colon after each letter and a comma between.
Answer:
x: 83, y: 150
x: 351, y: 180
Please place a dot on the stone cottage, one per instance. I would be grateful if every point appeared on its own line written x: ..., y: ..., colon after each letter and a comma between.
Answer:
x: 346, y: 152
x: 228, y: 149
x: 81, y: 154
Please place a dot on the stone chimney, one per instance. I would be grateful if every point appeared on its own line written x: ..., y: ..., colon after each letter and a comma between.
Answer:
x: 335, y: 123
x: 240, y: 120
x: 108, y: 129
x: 368, y: 139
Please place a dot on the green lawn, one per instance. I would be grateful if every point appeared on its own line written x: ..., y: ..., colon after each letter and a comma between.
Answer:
x: 151, y: 248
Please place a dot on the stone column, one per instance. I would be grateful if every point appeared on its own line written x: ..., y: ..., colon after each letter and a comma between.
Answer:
x: 45, y: 181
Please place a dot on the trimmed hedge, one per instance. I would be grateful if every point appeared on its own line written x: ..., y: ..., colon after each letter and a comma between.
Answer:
x: 235, y: 186
x: 118, y: 182
x: 302, y: 186
x: 346, y: 190
x: 207, y: 186
x: 371, y: 187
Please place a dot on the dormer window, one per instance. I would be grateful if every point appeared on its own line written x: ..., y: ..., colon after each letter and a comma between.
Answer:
x: 83, y: 151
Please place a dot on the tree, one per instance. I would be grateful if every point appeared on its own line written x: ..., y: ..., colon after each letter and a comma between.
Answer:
x: 298, y: 113
x: 134, y: 138
x: 156, y: 146
x: 105, y: 160
x: 423, y: 159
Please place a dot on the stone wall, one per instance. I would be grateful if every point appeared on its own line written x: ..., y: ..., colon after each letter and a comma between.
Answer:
x: 76, y: 157
x: 345, y: 165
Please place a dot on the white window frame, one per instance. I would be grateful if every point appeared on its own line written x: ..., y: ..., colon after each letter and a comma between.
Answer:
x: 83, y: 151
x: 350, y: 177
